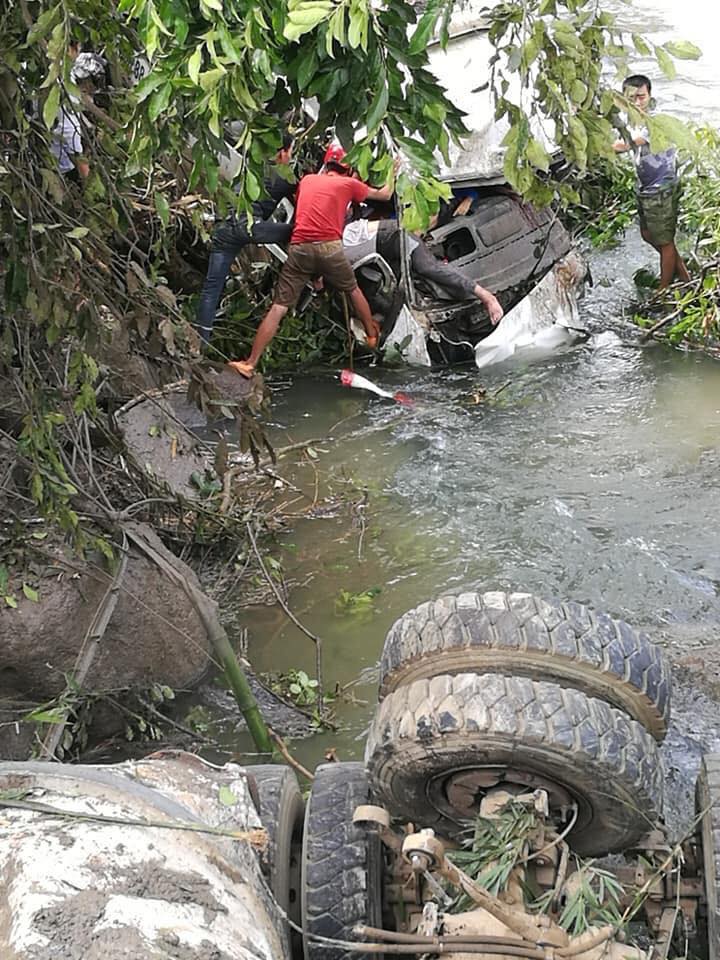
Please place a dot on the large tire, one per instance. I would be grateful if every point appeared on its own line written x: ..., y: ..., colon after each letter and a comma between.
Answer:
x: 432, y: 742
x: 281, y: 811
x: 516, y: 634
x: 342, y: 863
x: 707, y: 801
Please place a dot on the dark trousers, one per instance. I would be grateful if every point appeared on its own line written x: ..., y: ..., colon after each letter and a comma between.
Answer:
x: 424, y: 263
x: 229, y: 237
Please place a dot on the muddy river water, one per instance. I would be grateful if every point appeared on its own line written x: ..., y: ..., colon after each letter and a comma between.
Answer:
x: 592, y: 475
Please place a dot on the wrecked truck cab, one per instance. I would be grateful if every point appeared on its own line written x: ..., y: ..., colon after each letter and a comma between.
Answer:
x: 502, y: 243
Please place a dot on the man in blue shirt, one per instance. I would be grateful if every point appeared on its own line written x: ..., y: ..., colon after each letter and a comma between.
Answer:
x: 658, y: 188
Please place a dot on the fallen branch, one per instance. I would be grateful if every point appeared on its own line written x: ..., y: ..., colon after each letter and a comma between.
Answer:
x: 288, y: 757
x: 256, y: 837
x: 88, y: 648
x: 204, y: 607
x: 646, y: 334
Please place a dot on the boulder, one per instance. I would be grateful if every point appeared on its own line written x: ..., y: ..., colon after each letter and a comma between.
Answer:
x: 154, y: 634
x: 160, y: 430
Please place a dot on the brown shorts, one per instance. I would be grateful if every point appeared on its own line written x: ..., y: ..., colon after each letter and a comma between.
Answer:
x: 307, y: 260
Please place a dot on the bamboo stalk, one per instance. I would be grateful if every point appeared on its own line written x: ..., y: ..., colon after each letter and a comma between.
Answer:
x: 218, y: 637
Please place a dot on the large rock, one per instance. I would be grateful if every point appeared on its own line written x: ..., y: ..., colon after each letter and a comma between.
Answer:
x: 160, y: 429
x: 154, y: 633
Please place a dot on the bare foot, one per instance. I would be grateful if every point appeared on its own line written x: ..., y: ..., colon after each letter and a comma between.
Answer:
x: 463, y: 207
x: 243, y: 367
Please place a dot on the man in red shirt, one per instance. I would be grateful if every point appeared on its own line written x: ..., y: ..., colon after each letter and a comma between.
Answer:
x: 316, y: 249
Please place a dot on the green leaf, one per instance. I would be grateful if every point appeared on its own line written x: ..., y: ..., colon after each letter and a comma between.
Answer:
x: 211, y: 78
x: 157, y: 21
x: 337, y: 25
x: 226, y: 797
x: 11, y: 601
x: 78, y: 233
x: 578, y: 92
x: 641, y: 45
x: 252, y: 185
x: 423, y: 32
x: 163, y: 208
x: 683, y: 50
x: 36, y: 488
x: 30, y: 593
x: 666, y: 131
x: 306, y: 16
x: 579, y: 141
x: 148, y: 85
x: 307, y: 69
x: 537, y: 155
x: 44, y: 23
x: 228, y: 45
x: 57, y: 715
x: 358, y: 21
x: 529, y: 52
x: 194, y: 64
x: 159, y: 102
x: 665, y: 63
x: 51, y: 107
x: 378, y: 107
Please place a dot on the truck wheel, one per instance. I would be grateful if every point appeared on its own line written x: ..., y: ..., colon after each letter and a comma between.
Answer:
x: 707, y: 803
x: 281, y: 811
x: 436, y: 746
x: 342, y: 863
x: 516, y: 634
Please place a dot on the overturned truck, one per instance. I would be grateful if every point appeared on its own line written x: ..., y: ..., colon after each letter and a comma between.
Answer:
x: 513, y: 740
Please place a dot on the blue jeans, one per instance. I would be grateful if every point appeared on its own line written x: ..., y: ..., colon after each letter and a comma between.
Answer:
x: 229, y: 237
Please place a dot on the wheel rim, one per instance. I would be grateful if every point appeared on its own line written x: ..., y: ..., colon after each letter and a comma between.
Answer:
x: 456, y: 794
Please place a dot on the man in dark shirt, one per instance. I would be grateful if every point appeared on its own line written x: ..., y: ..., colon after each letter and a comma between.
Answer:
x: 231, y: 235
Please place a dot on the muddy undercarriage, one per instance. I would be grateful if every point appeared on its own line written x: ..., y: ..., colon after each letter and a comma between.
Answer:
x: 514, y: 745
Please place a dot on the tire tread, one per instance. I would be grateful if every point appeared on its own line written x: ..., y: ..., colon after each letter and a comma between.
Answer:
x: 604, y: 657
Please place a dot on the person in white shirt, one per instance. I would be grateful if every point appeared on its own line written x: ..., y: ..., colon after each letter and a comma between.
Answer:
x: 362, y: 237
x: 67, y: 144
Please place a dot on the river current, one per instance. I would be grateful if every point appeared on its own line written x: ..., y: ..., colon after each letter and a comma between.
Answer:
x: 591, y: 475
